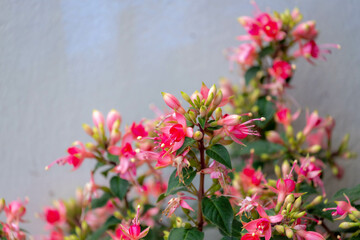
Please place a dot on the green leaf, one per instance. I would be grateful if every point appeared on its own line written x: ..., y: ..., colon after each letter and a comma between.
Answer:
x: 251, y: 73
x: 161, y: 197
x: 202, y: 122
x: 110, y: 223
x: 267, y: 110
x: 187, y: 143
x: 219, y: 212
x: 175, y: 185
x: 352, y: 193
x: 185, y: 234
x: 268, y: 50
x: 220, y: 154
x: 101, y: 201
x: 119, y: 187
x: 113, y: 158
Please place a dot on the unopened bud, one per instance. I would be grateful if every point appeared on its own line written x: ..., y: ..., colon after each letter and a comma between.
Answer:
x: 300, y: 214
x: 115, y: 136
x: 203, y: 111
x: 314, y: 149
x: 289, y: 199
x: 90, y: 146
x: 209, y: 99
x: 356, y: 213
x: 187, y: 98
x: 218, y: 113
x: 289, y: 233
x: 285, y: 168
x: 274, y: 137
x: 230, y: 120
x: 346, y: 225
x: 192, y: 115
x: 88, y: 129
x: 198, y: 135
x: 78, y: 230
x: 98, y: 119
x: 280, y: 229
x: 297, y: 203
x: 218, y: 98
x: 118, y: 215
x: 216, y: 139
x: 84, y: 226
x: 315, y: 202
x: 2, y: 204
x: 277, y: 171
x: 212, y: 90
x: 111, y: 119
x: 353, y: 218
x: 289, y: 131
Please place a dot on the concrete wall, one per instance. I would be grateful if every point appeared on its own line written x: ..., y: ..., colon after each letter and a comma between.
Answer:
x: 61, y: 59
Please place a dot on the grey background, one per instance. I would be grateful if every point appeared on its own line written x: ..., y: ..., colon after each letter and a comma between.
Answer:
x: 61, y: 59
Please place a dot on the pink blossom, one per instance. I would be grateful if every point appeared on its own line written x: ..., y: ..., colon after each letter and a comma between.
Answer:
x: 250, y: 236
x: 283, y: 188
x: 312, y: 50
x: 55, y: 215
x: 301, y: 233
x: 134, y: 231
x: 173, y: 102
x: 138, y: 130
x: 174, y: 203
x: 245, y: 54
x: 343, y: 208
x: 98, y: 119
x: 312, y: 121
x: 15, y: 211
x: 284, y: 116
x: 281, y: 70
x: 306, y: 30
x: 13, y: 232
x: 76, y: 156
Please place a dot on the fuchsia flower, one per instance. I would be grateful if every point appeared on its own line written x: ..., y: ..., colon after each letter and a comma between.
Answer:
x: 248, y: 204
x: 270, y: 27
x: 312, y: 50
x: 302, y: 234
x: 281, y: 70
x: 112, y: 117
x: 134, y: 231
x: 138, y: 131
x: 98, y: 119
x: 312, y: 121
x: 262, y: 226
x: 306, y: 30
x: 174, y: 203
x: 95, y: 218
x: 13, y: 232
x: 310, y: 170
x: 284, y: 116
x: 245, y: 54
x: 55, y: 215
x: 250, y: 236
x: 343, y: 208
x: 15, y: 211
x: 76, y: 156
x: 173, y: 135
x: 220, y: 172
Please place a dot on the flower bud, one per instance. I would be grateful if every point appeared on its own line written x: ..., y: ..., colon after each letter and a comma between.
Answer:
x: 115, y: 136
x: 187, y: 98
x: 218, y: 98
x: 212, y: 90
x: 218, y: 113
x: 98, y: 119
x: 173, y: 102
x: 209, y: 99
x: 277, y: 171
x: 203, y: 111
x: 285, y: 168
x: 274, y: 137
x: 230, y: 120
x: 88, y: 129
x: 198, y: 135
x: 314, y: 149
x: 346, y: 225
x: 2, y: 204
x: 280, y: 229
x: 315, y: 202
x: 289, y: 199
x: 356, y: 214
x: 297, y: 203
x: 90, y: 146
x: 192, y: 116
x: 112, y: 117
x: 289, y: 233
x: 118, y: 215
x: 300, y: 214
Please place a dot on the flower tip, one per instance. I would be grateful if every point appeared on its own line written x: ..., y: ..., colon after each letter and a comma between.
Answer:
x: 262, y: 119
x: 46, y: 168
x: 293, y: 66
x: 338, y: 46
x: 250, y: 114
x: 319, y: 222
x: 252, y: 151
x: 163, y: 93
x: 139, y: 138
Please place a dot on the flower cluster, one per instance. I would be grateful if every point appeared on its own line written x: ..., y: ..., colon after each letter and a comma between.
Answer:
x: 235, y: 192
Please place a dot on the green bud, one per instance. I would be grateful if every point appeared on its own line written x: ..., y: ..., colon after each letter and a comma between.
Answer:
x: 218, y: 113
x: 187, y: 225
x: 78, y: 231
x: 186, y: 98
x: 300, y: 136
x: 192, y: 116
x: 277, y: 171
x: 356, y: 214
x: 285, y: 168
x: 203, y: 111
x: 289, y: 233
x: 88, y: 129
x: 344, y: 143
x: 216, y: 139
x: 272, y: 183
x: 353, y: 218
x: 2, y: 204
x: 289, y: 131
x: 314, y: 149
x: 315, y: 202
x: 289, y: 199
x: 300, y: 214
x: 280, y: 229
x: 297, y: 203
x: 218, y: 98
x: 346, y: 225
x: 209, y: 99
x: 198, y: 135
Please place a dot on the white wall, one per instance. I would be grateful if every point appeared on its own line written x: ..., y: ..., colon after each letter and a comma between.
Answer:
x: 61, y: 59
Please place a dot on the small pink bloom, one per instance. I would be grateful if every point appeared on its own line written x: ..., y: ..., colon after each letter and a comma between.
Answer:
x: 309, y: 235
x: 15, y: 211
x: 98, y: 119
x: 250, y: 25
x: 111, y: 118
x: 274, y: 137
x: 250, y: 236
x: 312, y: 121
x: 245, y: 54
x: 312, y: 50
x: 174, y: 203
x: 229, y: 120
x: 343, y: 208
x: 138, y: 130
x: 306, y: 30
x: 281, y: 70
x: 134, y: 231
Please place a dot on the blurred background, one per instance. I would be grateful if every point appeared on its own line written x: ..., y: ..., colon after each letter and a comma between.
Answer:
x: 59, y: 60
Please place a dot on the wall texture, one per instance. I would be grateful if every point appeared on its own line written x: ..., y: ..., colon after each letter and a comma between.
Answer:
x: 61, y: 59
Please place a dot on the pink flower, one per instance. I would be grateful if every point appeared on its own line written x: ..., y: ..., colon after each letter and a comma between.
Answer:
x: 270, y: 27
x: 173, y: 102
x: 310, y: 170
x: 312, y: 50
x: 138, y: 130
x: 274, y: 137
x: 134, y: 231
x: 55, y: 215
x: 248, y: 204
x: 306, y: 30
x: 250, y: 25
x: 283, y: 188
x: 173, y: 135
x: 312, y: 121
x: 112, y: 117
x: 245, y: 54
x: 15, y: 211
x: 174, y: 203
x: 220, y: 172
x: 343, y: 208
x: 76, y: 156
x: 250, y: 236
x: 281, y: 70
x: 284, y: 116
x: 301, y: 233
x: 13, y: 232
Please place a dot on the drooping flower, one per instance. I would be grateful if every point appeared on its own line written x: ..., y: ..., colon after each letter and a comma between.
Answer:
x: 133, y: 232
x: 112, y: 117
x: 343, y: 208
x: 281, y: 70
x: 76, y: 156
x: 55, y: 215
x: 301, y: 233
x: 244, y: 55
x: 311, y: 50
x: 174, y: 203
x: 14, y: 211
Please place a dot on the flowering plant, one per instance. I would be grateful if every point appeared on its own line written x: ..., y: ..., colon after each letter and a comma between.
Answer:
x: 210, y: 187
